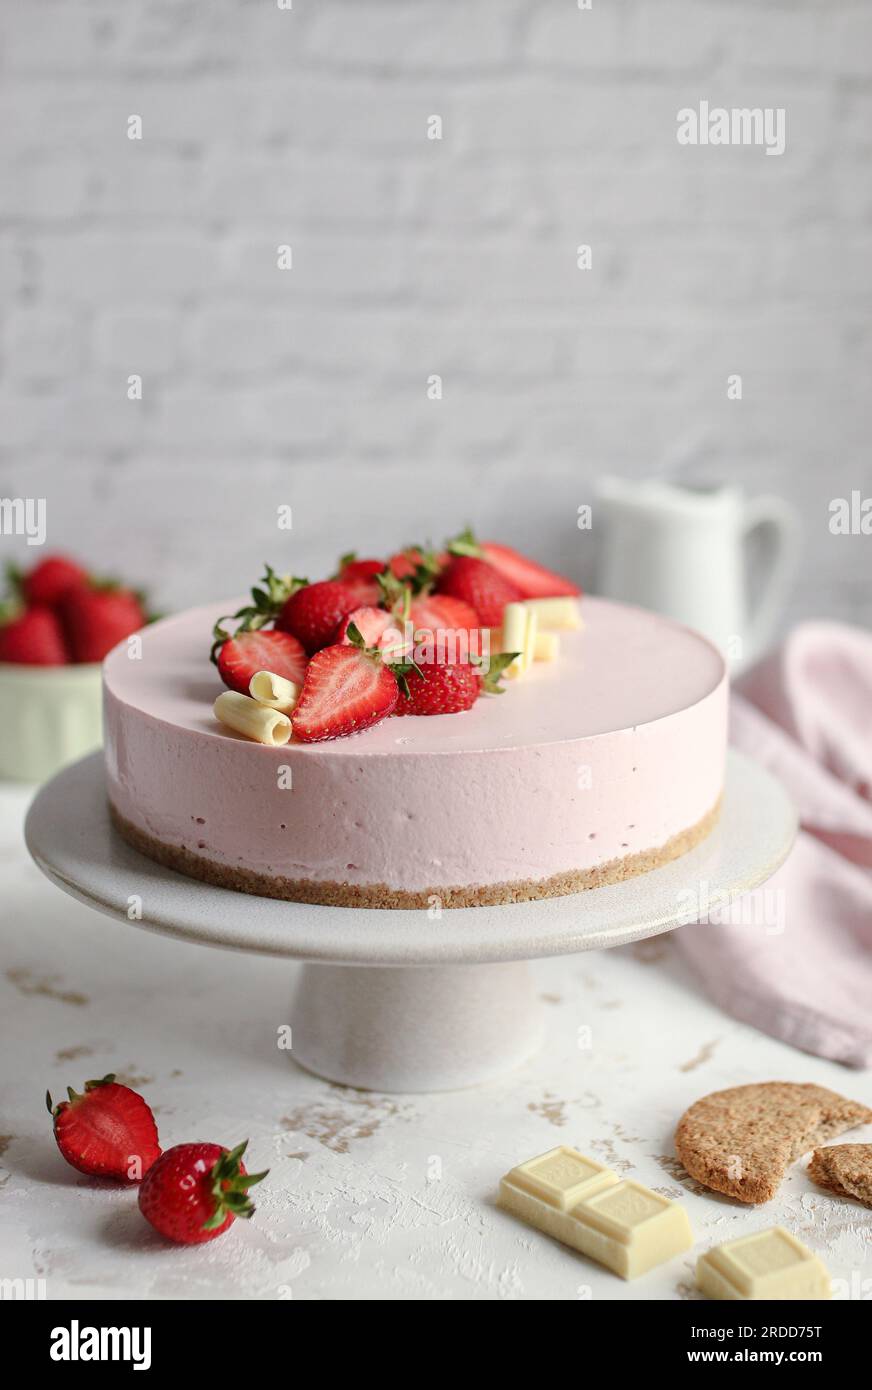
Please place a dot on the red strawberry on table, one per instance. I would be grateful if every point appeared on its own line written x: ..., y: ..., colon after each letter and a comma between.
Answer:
x: 244, y: 655
x: 96, y: 618
x: 347, y: 688
x: 33, y: 638
x: 195, y: 1191
x: 531, y: 579
x: 48, y: 581
x: 480, y: 585
x: 313, y: 613
x: 107, y: 1132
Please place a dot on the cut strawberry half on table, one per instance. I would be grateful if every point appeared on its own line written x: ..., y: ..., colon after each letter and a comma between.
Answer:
x: 108, y: 1131
x: 314, y: 612
x: 477, y: 583
x: 346, y: 689
x: 242, y: 656
x: 195, y: 1191
x: 97, y: 617
x: 532, y: 580
x: 33, y: 638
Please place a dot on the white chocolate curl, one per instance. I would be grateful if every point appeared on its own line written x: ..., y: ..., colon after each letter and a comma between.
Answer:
x: 272, y: 690
x: 256, y: 721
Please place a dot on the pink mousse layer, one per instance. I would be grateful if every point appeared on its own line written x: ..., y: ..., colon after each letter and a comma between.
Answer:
x: 607, y: 752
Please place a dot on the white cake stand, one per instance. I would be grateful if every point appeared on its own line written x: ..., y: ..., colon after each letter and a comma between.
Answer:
x: 394, y: 1000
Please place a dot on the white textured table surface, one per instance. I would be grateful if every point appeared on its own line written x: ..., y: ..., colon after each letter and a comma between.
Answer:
x: 369, y: 1196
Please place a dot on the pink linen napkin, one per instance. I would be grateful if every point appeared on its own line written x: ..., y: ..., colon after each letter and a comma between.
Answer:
x: 802, y: 970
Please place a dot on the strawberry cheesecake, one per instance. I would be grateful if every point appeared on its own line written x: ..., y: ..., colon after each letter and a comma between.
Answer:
x: 561, y: 745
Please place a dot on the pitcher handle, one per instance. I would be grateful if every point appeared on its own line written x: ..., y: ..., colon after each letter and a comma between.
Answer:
x: 778, y: 525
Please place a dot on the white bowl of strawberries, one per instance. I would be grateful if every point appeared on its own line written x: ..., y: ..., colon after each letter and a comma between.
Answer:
x: 55, y: 628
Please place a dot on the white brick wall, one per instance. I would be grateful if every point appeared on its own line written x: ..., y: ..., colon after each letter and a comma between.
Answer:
x: 412, y: 256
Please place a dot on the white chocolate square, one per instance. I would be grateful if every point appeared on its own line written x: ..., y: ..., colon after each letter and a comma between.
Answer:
x: 580, y: 1202
x: 769, y: 1264
x: 561, y: 1177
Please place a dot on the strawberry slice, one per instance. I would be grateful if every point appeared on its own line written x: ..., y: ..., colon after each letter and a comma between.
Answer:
x: 477, y: 583
x: 346, y: 689
x: 107, y: 1132
x: 248, y: 652
x: 531, y: 579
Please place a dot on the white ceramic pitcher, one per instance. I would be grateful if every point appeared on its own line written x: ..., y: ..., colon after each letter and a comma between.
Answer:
x: 683, y: 551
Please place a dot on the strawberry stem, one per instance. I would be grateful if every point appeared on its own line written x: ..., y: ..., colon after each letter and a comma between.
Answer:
x: 267, y: 600
x: 230, y: 1188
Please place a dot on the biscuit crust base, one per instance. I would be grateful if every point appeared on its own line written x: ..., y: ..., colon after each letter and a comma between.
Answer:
x: 380, y: 895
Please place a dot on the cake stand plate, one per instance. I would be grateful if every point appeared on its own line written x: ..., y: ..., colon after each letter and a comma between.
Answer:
x: 404, y: 1000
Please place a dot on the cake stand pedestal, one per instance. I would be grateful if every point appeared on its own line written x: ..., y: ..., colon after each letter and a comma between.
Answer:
x: 402, y: 1000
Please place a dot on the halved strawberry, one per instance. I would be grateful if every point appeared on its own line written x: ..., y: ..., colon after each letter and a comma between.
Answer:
x: 531, y: 579
x: 377, y: 627
x: 480, y: 585
x: 107, y: 1132
x: 346, y: 689
x: 314, y: 612
x: 33, y: 638
x: 265, y: 650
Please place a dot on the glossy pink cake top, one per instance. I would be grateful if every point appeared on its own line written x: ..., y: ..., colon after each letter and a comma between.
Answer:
x: 624, y: 668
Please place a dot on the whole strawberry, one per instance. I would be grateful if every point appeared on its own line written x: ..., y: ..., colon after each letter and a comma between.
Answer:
x: 48, y: 581
x: 195, y: 1191
x: 313, y: 613
x: 450, y: 687
x: 480, y: 585
x: 33, y: 638
x: 96, y: 619
x: 108, y: 1131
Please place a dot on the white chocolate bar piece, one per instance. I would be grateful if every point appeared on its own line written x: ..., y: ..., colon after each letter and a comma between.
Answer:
x: 621, y: 1224
x: 770, y: 1264
x: 272, y: 690
x: 555, y: 613
x: 547, y: 646
x: 256, y: 721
